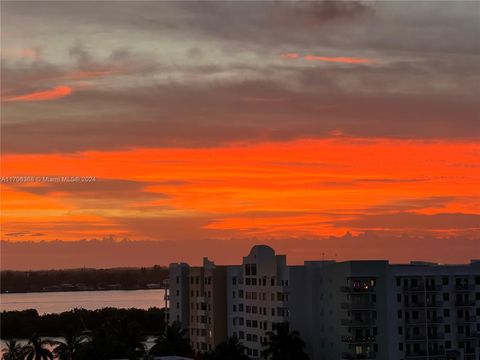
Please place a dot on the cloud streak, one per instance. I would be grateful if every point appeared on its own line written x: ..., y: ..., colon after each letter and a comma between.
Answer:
x: 57, y: 92
x: 343, y: 60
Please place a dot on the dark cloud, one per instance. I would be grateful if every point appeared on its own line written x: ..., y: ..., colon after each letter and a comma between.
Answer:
x: 158, y: 117
x: 109, y: 253
x: 98, y: 189
x: 414, y: 221
x: 423, y: 89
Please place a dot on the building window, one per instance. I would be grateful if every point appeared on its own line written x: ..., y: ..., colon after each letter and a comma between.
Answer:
x: 399, y: 314
x: 446, y: 296
x: 399, y: 298
x: 400, y: 346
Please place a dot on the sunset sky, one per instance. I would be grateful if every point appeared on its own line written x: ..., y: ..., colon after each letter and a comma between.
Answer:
x: 223, y: 124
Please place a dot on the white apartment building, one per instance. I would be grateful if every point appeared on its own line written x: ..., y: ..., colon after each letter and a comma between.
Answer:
x: 257, y: 297
x: 347, y: 310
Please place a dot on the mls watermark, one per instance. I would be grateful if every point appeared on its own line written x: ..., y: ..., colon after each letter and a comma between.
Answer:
x: 47, y: 179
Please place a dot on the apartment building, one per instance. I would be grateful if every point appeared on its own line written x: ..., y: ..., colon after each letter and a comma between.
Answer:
x: 257, y: 297
x: 197, y: 299
x: 343, y: 310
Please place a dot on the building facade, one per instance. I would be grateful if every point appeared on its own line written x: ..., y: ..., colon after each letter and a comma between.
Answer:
x: 343, y: 310
x: 197, y: 299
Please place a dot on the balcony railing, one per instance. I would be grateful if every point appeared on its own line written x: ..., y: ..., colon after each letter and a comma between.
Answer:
x: 421, y: 304
x: 467, y: 319
x: 358, y: 339
x: 421, y: 337
x: 365, y: 355
x: 364, y: 305
x: 463, y: 303
x: 422, y: 320
x: 422, y: 288
x: 359, y: 323
x: 351, y: 289
x: 464, y: 287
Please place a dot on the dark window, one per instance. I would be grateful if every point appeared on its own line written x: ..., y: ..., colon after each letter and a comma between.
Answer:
x: 445, y: 280
x: 399, y: 297
x: 446, y: 296
x: 399, y: 314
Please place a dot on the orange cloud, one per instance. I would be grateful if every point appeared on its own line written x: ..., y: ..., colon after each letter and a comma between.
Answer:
x: 46, y: 95
x: 291, y: 56
x: 344, y: 60
x: 298, y: 188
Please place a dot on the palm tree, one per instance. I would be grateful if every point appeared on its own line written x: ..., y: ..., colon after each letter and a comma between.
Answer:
x: 36, y: 349
x: 173, y: 342
x: 231, y: 349
x: 69, y: 349
x: 13, y: 351
x: 129, y: 335
x: 284, y: 344
x: 115, y: 339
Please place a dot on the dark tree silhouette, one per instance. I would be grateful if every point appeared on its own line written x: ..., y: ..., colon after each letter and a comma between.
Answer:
x: 231, y: 349
x: 283, y: 344
x: 173, y: 342
x: 115, y: 339
x: 71, y: 347
x: 36, y: 349
x: 13, y: 351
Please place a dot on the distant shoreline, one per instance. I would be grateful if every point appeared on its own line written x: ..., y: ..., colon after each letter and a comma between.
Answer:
x: 76, y: 290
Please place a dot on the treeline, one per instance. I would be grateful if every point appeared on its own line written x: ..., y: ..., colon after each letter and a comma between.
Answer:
x: 82, y: 279
x: 22, y: 324
x: 122, y: 339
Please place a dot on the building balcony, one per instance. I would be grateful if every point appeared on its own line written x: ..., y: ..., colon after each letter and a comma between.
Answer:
x: 468, y: 319
x: 422, y: 354
x: 364, y: 305
x: 358, y: 339
x: 360, y: 290
x: 358, y: 323
x: 423, y: 337
x: 468, y: 303
x: 423, y: 321
x: 366, y: 355
x: 464, y: 287
x: 421, y: 304
x: 470, y: 336
x: 422, y: 288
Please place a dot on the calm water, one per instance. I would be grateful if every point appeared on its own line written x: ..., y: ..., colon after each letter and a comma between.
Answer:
x: 56, y: 302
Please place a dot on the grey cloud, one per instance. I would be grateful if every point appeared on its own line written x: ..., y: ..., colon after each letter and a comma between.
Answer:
x: 159, y: 117
x: 414, y: 221
x: 98, y: 189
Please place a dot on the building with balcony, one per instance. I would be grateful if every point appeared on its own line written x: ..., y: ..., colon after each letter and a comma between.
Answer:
x: 343, y: 310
